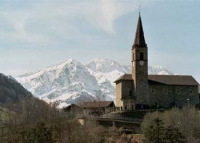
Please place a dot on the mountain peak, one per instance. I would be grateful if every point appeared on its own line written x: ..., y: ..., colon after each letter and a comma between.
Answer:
x: 102, y: 60
x: 70, y: 80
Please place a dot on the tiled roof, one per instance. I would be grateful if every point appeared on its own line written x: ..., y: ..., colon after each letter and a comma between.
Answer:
x: 97, y: 104
x: 124, y: 77
x: 165, y: 79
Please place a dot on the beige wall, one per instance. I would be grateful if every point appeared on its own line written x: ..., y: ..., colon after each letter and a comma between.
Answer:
x: 119, y: 102
x: 122, y: 91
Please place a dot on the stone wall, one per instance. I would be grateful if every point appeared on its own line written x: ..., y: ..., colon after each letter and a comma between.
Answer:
x: 159, y: 95
x: 164, y: 95
x: 129, y: 104
x: 127, y: 86
x: 140, y: 74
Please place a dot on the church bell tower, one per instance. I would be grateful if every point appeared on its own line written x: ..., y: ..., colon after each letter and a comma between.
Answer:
x: 140, y: 66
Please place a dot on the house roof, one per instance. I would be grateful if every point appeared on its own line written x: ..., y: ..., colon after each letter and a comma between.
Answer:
x: 97, y: 104
x: 165, y: 79
x: 124, y: 77
x: 71, y: 107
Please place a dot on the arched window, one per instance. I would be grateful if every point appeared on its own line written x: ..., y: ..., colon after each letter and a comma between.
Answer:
x: 190, y: 91
x: 153, y: 89
x: 125, y: 107
x: 178, y: 90
x: 141, y: 56
x: 165, y: 90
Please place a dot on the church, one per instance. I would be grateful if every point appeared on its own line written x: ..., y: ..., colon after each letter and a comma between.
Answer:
x: 141, y: 91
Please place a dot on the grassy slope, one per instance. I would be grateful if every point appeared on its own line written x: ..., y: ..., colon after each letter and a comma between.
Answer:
x: 5, y: 113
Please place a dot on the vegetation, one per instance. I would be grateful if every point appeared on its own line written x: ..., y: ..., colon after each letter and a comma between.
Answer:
x: 157, y: 133
x: 175, y: 125
x: 36, y: 121
x: 4, y: 114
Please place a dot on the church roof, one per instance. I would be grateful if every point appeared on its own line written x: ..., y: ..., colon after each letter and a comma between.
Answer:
x: 165, y: 79
x: 139, y: 35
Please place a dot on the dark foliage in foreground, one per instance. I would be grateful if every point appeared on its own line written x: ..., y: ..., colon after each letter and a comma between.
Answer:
x: 36, y: 121
x: 157, y: 133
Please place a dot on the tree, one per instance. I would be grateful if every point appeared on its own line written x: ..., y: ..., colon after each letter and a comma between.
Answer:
x: 155, y: 132
x: 39, y: 134
x: 100, y: 96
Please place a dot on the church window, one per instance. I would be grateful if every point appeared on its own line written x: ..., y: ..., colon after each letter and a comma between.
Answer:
x: 125, y: 108
x: 190, y: 91
x: 156, y: 105
x: 130, y: 92
x: 178, y: 90
x: 153, y: 90
x: 141, y: 56
x: 165, y: 90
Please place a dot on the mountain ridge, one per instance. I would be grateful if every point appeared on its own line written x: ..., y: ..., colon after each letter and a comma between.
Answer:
x: 71, y: 80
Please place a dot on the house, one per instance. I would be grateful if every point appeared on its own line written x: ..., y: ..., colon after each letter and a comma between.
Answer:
x: 73, y: 109
x: 97, y: 107
x: 91, y: 108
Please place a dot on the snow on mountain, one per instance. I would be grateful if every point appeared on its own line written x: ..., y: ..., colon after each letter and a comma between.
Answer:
x: 71, y: 81
x: 63, y: 82
x: 159, y: 70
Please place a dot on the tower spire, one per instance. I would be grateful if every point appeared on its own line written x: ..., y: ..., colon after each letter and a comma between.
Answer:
x: 139, y: 35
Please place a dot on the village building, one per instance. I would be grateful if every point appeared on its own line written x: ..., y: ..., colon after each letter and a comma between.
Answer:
x: 73, y: 109
x: 91, y: 108
x: 140, y: 90
x: 97, y: 107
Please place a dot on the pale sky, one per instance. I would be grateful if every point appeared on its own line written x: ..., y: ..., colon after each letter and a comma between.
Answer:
x: 35, y: 34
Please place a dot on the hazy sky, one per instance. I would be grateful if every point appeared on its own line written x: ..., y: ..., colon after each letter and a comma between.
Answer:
x: 39, y: 33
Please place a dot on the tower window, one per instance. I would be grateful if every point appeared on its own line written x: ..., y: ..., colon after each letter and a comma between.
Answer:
x: 141, y: 56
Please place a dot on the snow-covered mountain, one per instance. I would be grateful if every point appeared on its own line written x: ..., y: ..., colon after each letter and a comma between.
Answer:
x: 71, y: 81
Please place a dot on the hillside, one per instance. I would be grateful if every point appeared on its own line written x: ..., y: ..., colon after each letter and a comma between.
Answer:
x: 4, y: 114
x: 11, y: 91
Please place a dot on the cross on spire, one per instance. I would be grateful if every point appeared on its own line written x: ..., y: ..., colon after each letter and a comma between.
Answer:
x: 139, y: 9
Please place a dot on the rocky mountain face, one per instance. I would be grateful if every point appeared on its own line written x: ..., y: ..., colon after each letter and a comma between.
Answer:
x: 11, y: 91
x: 71, y: 81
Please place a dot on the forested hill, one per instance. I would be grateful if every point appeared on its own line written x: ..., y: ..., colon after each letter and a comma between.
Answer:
x: 11, y: 91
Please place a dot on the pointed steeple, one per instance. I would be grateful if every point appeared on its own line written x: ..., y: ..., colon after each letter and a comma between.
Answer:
x: 139, y: 35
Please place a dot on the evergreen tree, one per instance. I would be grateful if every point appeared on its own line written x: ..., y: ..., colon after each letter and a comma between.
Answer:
x: 155, y: 133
